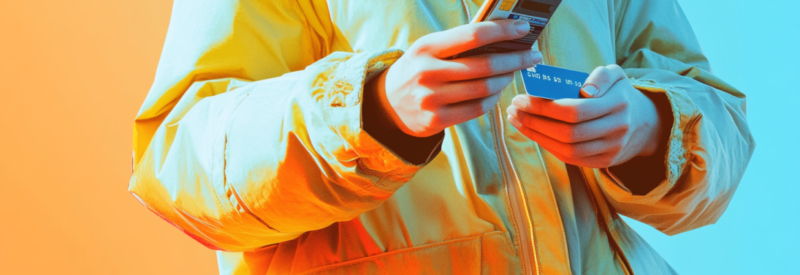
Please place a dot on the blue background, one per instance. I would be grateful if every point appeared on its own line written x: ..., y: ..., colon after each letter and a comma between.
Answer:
x: 754, y: 46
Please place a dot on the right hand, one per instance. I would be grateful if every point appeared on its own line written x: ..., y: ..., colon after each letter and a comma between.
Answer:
x: 424, y: 92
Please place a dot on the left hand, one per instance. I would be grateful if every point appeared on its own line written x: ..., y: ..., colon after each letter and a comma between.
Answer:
x: 613, y: 124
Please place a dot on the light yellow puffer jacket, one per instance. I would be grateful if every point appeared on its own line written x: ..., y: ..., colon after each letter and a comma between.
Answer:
x: 250, y: 141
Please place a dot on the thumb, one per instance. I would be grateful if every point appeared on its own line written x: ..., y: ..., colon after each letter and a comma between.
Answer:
x: 601, y: 80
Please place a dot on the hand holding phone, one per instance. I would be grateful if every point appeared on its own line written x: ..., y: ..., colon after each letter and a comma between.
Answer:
x: 536, y: 13
x: 453, y: 76
x: 545, y: 81
x: 426, y: 91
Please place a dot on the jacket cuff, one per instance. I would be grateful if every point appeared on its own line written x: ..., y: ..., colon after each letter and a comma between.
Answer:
x: 685, y: 114
x: 342, y: 96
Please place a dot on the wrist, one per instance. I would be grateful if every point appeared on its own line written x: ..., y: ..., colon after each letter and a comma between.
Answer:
x: 644, y: 172
x: 381, y: 105
x: 380, y: 121
x: 660, y: 127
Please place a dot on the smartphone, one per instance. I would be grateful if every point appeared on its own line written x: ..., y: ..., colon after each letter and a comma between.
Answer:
x: 536, y: 12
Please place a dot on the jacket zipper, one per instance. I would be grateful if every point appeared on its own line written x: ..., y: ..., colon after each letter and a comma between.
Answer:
x: 519, y: 205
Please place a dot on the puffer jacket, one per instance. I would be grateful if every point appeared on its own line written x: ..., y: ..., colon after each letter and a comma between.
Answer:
x: 250, y: 141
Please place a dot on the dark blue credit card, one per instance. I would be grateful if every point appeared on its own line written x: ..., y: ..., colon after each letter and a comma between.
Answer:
x: 553, y: 82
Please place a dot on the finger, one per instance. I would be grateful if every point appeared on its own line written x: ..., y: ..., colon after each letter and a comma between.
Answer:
x: 576, y: 150
x: 601, y: 80
x: 486, y: 65
x: 604, y: 127
x: 569, y: 109
x: 463, y: 111
x: 454, y: 92
x: 462, y: 38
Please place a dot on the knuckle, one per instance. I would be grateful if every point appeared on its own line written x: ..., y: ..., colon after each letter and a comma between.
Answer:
x: 571, y: 135
x: 420, y: 74
x: 532, y: 106
x: 484, y: 89
x: 433, y: 120
x: 624, y: 127
x: 507, y: 78
x: 614, y: 68
x: 421, y: 46
x: 422, y: 78
x: 623, y: 104
x: 598, y: 70
x: 426, y: 99
x: 608, y: 161
x: 510, y: 29
x: 474, y: 35
x: 603, y: 73
x: 418, y: 69
x: 488, y: 103
x: 486, y: 65
x: 497, y: 84
x: 526, y: 61
x: 618, y: 131
x: 572, y: 115
x: 615, y: 147
x: 432, y: 75
x: 580, y: 115
x: 525, y: 120
x: 502, y: 82
x: 413, y: 50
x: 480, y: 109
x: 425, y: 72
x: 571, y: 152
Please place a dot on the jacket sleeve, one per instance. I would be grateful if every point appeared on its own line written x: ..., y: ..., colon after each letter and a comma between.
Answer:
x: 709, y: 144
x: 242, y: 142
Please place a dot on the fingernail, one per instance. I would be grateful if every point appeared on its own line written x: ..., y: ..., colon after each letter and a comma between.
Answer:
x: 522, y: 27
x: 589, y: 90
x: 537, y: 56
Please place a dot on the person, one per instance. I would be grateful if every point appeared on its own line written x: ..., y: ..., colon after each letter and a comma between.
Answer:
x: 335, y: 137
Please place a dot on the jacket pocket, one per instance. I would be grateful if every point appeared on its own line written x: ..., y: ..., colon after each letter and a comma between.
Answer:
x: 459, y: 256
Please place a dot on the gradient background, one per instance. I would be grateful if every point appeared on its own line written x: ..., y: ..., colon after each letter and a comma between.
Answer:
x: 73, y: 74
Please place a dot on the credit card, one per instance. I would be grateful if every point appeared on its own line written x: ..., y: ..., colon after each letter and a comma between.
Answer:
x: 553, y: 82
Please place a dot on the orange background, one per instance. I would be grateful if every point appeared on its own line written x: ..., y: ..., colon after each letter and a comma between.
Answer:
x: 72, y: 77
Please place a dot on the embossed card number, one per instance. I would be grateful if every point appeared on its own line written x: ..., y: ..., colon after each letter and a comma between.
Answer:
x: 553, y: 82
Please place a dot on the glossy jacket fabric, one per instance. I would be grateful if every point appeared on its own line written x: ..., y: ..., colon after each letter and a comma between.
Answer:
x: 250, y: 141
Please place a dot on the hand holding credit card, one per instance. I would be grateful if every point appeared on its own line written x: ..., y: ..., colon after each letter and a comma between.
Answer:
x: 616, y: 123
